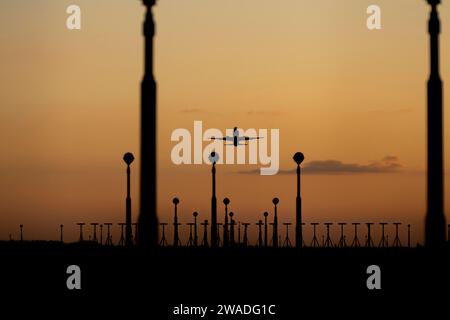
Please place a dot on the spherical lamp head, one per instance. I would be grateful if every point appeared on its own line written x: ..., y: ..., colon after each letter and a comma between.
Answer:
x: 175, y: 201
x: 298, y: 158
x: 213, y: 157
x: 128, y: 158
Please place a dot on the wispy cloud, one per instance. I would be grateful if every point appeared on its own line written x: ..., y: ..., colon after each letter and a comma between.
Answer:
x: 387, y: 164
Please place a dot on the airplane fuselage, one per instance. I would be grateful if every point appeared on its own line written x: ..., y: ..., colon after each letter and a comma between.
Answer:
x: 235, y: 137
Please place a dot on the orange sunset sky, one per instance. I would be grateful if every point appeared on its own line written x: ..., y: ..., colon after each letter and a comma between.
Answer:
x: 335, y: 90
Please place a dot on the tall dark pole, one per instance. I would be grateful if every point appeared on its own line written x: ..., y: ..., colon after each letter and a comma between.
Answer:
x: 176, y: 238
x: 94, y: 226
x: 148, y: 221
x: 81, y: 224
x: 265, y: 229
x: 435, y: 218
x: 275, y: 202
x: 128, y: 158
x: 213, y: 158
x: 205, y: 233
x: 239, y: 233
x: 260, y: 238
x: 195, y: 214
x: 226, y: 202
x: 232, y: 223
x: 298, y: 158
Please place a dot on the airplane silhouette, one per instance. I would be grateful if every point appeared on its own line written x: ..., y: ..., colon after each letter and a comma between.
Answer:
x: 236, y: 138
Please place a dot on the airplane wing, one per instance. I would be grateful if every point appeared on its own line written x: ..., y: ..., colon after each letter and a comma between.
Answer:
x: 249, y: 138
x: 227, y: 138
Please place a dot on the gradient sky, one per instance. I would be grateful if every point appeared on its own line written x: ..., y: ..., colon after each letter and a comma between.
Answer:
x: 337, y: 91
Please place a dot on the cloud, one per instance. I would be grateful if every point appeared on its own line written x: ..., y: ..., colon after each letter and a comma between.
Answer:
x: 390, y: 159
x: 387, y: 164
